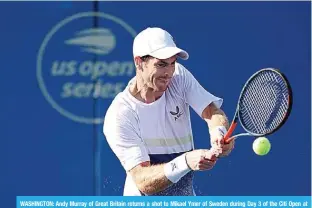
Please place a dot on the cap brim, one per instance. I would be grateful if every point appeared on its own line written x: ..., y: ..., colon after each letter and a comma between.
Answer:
x: 167, y: 52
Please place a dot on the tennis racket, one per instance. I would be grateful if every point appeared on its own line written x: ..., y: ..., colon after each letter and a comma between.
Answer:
x: 263, y: 106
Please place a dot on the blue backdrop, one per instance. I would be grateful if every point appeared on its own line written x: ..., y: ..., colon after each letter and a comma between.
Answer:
x: 58, y: 79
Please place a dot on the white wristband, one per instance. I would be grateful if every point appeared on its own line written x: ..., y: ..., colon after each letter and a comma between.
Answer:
x: 218, y: 130
x: 176, y: 168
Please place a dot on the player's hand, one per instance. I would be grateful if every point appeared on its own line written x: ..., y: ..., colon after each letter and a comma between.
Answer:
x: 224, y: 149
x: 218, y: 144
x: 201, y: 159
x: 227, y: 148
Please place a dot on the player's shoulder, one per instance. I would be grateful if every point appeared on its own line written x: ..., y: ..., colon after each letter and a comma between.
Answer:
x: 181, y: 73
x: 120, y: 107
x: 180, y: 70
x: 119, y: 113
x: 180, y: 76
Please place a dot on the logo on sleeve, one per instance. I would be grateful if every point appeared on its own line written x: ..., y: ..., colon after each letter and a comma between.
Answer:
x: 173, y: 166
x: 176, y: 114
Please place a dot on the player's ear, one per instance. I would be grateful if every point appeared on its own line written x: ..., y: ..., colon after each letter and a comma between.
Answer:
x: 138, y: 62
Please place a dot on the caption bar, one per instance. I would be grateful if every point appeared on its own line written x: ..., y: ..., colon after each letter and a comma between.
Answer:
x: 158, y: 202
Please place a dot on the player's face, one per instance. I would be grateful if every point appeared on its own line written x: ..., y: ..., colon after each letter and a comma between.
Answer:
x: 157, y: 73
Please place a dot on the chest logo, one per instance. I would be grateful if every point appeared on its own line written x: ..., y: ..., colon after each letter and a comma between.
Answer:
x: 177, y: 113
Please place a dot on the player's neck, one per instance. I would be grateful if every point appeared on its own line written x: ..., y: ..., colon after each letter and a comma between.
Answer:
x: 142, y: 92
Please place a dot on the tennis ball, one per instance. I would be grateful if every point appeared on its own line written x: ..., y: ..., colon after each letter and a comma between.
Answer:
x: 261, y: 146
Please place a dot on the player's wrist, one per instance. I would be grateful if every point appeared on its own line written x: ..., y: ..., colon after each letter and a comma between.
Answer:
x: 225, y: 153
x: 219, y: 130
x: 176, y: 169
x: 216, y: 134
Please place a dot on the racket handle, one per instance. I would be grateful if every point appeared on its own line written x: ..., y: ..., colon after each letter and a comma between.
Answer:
x: 227, y: 136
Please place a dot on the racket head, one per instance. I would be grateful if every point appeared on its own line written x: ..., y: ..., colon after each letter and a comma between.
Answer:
x: 265, y: 102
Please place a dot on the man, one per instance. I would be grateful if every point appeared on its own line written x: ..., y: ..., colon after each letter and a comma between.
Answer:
x: 148, y: 124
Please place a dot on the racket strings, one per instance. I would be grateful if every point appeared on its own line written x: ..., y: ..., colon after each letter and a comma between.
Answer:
x: 264, y: 102
x: 248, y: 107
x: 276, y: 92
x: 264, y: 108
x: 255, y: 103
x: 281, y: 99
x: 251, y: 118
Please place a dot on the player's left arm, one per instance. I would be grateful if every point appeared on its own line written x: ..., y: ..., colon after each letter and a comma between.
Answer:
x: 217, y: 124
x: 208, y: 107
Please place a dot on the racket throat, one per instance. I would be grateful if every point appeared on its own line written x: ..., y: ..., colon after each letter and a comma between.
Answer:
x: 239, y: 135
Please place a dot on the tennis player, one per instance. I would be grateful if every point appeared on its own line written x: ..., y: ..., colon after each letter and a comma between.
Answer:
x: 148, y: 125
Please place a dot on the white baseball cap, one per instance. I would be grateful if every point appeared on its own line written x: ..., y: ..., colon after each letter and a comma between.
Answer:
x: 157, y: 43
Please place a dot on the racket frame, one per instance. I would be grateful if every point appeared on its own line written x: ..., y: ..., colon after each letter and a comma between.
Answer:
x: 228, y: 136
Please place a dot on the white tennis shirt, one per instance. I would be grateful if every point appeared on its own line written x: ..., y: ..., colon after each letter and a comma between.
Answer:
x: 159, y: 131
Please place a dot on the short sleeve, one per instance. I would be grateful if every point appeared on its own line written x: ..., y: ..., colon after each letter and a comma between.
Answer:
x: 195, y: 94
x: 121, y: 132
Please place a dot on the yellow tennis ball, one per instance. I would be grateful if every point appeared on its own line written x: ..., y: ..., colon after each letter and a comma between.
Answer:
x: 261, y: 146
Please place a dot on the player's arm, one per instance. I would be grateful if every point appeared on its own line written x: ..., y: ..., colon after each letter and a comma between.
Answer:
x: 215, y: 117
x: 151, y: 179
x: 207, y: 106
x: 217, y: 124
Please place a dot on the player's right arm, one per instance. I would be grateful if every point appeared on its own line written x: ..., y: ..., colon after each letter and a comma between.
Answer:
x: 151, y: 179
x: 121, y: 130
